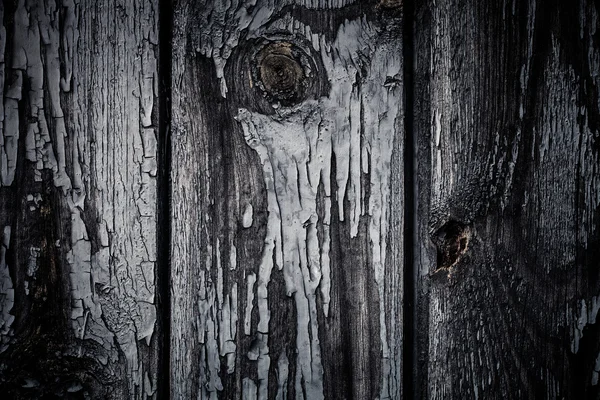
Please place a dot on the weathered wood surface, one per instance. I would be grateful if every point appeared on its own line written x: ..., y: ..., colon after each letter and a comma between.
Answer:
x: 507, y: 127
x: 290, y: 181
x: 78, y: 172
x: 287, y: 202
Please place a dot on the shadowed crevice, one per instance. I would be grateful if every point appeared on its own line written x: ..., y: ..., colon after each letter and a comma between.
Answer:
x: 409, y: 310
x: 163, y: 262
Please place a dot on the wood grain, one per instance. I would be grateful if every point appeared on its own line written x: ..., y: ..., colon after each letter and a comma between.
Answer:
x: 287, y: 205
x: 287, y: 247
x: 78, y: 169
x: 507, y: 150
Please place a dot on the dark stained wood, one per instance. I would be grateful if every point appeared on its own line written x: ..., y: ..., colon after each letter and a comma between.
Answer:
x: 78, y: 172
x: 327, y: 202
x: 507, y: 133
x: 287, y: 207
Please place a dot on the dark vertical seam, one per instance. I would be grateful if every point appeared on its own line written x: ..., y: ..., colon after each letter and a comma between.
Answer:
x: 163, y: 264
x: 408, y: 343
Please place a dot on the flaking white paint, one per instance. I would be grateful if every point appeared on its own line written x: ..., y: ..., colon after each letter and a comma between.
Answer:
x: 296, y: 147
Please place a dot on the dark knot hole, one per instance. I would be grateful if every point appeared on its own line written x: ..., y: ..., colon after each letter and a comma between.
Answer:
x: 452, y: 242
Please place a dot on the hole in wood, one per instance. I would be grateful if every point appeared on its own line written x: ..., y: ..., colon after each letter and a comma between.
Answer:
x: 452, y: 241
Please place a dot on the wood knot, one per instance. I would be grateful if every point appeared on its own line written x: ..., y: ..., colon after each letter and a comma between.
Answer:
x: 281, y: 73
x: 452, y: 241
x: 281, y: 70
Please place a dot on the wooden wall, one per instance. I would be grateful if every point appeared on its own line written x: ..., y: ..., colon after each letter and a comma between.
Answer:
x: 310, y: 199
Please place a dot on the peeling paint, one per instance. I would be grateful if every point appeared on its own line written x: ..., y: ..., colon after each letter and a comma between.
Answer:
x: 248, y: 216
x: 250, y: 280
x: 89, y: 101
x: 283, y: 370
x: 297, y: 147
x: 249, y: 390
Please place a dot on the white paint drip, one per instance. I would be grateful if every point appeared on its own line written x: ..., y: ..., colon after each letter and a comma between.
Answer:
x: 295, y: 148
x: 250, y: 280
x: 283, y: 370
x: 283, y: 148
x: 228, y: 328
x: 232, y: 256
x: 247, y: 218
x: 249, y: 390
x: 209, y: 353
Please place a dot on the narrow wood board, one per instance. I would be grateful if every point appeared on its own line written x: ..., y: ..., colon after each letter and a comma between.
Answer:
x: 287, y: 207
x: 78, y: 167
x: 507, y: 132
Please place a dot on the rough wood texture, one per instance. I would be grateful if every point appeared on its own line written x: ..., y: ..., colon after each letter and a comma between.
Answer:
x: 287, y: 205
x: 287, y: 254
x: 78, y: 199
x: 507, y: 127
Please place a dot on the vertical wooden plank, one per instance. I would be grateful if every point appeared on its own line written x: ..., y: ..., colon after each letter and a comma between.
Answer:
x: 509, y: 208
x: 78, y: 198
x: 287, y: 204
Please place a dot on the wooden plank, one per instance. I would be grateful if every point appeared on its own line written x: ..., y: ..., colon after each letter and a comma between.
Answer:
x: 508, y: 168
x: 78, y: 153
x: 287, y: 204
